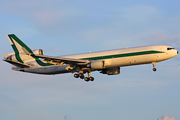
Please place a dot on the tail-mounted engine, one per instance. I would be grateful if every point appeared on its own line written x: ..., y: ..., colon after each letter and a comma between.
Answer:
x: 38, y: 52
x: 111, y: 71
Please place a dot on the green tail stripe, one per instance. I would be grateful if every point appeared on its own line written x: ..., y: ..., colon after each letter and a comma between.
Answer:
x: 12, y: 36
x: 42, y: 63
x: 20, y: 42
x: 17, y: 54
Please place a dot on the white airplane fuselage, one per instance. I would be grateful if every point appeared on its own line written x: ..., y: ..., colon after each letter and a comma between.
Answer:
x: 107, y: 62
x: 111, y: 59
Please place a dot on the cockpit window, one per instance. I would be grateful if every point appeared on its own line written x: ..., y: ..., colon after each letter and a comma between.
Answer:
x: 170, y: 48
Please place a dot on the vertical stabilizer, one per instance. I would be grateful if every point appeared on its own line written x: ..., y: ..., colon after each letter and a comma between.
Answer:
x: 18, y: 46
x: 23, y: 52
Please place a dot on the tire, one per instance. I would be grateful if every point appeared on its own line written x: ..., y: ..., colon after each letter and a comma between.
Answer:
x: 91, y: 79
x: 86, y: 79
x: 76, y: 75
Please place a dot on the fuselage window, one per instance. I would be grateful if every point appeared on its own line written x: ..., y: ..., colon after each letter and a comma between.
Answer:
x: 170, y: 48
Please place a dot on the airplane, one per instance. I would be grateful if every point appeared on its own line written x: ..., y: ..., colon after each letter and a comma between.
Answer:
x: 106, y: 62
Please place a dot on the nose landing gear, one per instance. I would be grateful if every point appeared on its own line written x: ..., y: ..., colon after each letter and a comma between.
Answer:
x: 154, y: 64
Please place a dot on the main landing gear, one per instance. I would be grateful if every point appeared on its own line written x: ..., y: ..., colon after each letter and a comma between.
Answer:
x: 87, y: 79
x: 154, y: 64
x: 81, y: 75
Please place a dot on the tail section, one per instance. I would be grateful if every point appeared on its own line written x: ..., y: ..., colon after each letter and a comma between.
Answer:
x: 19, y: 47
x: 23, y: 54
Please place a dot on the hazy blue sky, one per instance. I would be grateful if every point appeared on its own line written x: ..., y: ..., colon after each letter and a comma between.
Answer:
x: 61, y: 27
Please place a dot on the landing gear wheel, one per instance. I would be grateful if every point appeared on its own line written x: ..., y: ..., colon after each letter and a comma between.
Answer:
x: 76, y: 75
x: 91, y: 78
x: 86, y: 79
x: 81, y: 76
x: 154, y: 69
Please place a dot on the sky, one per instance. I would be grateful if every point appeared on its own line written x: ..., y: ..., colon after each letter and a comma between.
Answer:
x: 63, y: 27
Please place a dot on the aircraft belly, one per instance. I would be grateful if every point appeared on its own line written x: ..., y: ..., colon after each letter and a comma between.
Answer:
x: 48, y: 70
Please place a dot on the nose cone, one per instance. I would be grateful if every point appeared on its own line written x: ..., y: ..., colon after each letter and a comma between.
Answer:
x: 177, y: 52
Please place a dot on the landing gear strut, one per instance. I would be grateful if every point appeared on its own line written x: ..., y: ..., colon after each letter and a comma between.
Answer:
x: 154, y: 64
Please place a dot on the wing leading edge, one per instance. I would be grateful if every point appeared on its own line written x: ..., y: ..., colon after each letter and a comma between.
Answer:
x: 62, y: 60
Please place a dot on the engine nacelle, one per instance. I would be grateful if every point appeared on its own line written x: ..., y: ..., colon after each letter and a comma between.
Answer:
x: 111, y: 71
x: 38, y: 52
x: 97, y: 65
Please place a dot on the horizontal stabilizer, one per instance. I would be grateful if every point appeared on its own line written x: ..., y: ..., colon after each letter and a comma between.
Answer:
x: 18, y: 64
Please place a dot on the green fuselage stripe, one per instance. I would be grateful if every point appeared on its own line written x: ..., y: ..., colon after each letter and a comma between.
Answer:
x: 108, y: 56
x: 123, y: 55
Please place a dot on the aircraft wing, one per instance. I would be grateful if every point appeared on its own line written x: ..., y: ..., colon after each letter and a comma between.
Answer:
x: 62, y: 60
x: 22, y: 65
